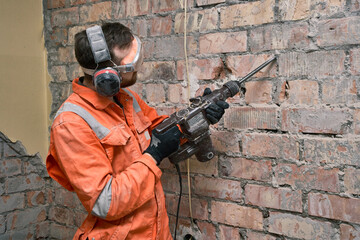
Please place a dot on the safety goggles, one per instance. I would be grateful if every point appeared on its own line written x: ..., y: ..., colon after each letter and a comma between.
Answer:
x: 130, y: 63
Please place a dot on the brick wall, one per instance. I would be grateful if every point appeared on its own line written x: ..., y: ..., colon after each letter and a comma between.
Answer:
x: 288, y: 165
x: 32, y: 205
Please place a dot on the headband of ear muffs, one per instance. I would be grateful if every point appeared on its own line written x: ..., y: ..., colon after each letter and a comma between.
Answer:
x: 106, y: 80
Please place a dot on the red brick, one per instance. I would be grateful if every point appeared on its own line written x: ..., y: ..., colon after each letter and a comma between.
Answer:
x: 323, y: 120
x: 170, y: 182
x: 79, y: 217
x: 355, y: 61
x: 12, y: 202
x: 65, y: 198
x: 329, y: 8
x: 334, y: 207
x: 300, y: 227
x: 338, y: 91
x: 229, y: 233
x: 206, y: 69
x: 280, y: 36
x: 223, y: 42
x: 221, y: 143
x: 58, y: 37
x: 72, y: 32
x: 308, y: 177
x: 302, y: 92
x: 247, y: 169
x: 75, y: 71
x: 42, y: 230
x: 258, y: 92
x: 157, y: 70
x: 357, y: 121
x: 77, y: 2
x: 331, y: 151
x: 141, y: 27
x: 352, y: 180
x: 355, y: 5
x: 25, y: 218
x: 202, y: 21
x: 217, y: 188
x: 177, y: 94
x: 294, y: 9
x: 21, y: 183
x: 242, y: 65
x: 10, y: 167
x: 172, y: 47
x: 95, y: 12
x: 58, y: 73
x: 249, y: 13
x: 251, y: 117
x: 61, y: 232
x: 165, y: 110
x: 259, y: 236
x: 161, y: 26
x: 167, y: 5
x: 349, y: 232
x: 66, y: 55
x: 236, y: 215
x: 35, y: 198
x: 206, y: 168
x: 278, y: 198
x: 199, y: 206
x: 130, y: 8
x: 339, y: 31
x: 270, y: 145
x: 155, y: 93
x: 55, y: 4
x: 208, y: 2
x: 61, y: 215
x: 314, y: 64
x: 65, y: 17
x: 208, y: 230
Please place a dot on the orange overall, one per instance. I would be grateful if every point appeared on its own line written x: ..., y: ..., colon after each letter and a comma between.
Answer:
x: 96, y: 151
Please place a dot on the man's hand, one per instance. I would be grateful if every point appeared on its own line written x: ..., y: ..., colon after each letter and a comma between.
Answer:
x: 162, y: 145
x: 216, y: 110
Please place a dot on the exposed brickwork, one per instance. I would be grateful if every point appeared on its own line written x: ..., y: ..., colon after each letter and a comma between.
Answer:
x: 27, y: 193
x: 288, y: 163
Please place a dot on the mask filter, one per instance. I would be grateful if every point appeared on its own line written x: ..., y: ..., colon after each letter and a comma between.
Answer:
x: 107, y: 81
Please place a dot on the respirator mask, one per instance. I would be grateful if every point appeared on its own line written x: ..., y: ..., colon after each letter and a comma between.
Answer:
x: 107, y: 80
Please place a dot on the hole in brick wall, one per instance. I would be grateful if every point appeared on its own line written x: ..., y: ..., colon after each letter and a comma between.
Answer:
x: 287, y: 88
x: 189, y: 237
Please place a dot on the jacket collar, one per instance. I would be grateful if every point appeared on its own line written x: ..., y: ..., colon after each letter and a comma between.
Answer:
x: 91, y: 96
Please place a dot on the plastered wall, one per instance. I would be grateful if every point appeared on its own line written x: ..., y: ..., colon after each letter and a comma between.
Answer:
x: 24, y: 94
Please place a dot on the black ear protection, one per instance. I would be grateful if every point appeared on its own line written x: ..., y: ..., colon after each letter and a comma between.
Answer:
x: 106, y: 80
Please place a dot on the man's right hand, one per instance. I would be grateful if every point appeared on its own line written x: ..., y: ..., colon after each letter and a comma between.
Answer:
x: 162, y: 145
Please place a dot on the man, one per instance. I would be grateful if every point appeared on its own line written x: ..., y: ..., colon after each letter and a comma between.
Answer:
x: 102, y: 146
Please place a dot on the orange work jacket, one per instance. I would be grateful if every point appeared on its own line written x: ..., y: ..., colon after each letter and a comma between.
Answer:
x: 96, y: 150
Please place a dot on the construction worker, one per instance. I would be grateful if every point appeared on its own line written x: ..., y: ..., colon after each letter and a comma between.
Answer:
x: 102, y: 146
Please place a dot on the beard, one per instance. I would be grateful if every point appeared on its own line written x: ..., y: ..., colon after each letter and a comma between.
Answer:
x: 128, y: 80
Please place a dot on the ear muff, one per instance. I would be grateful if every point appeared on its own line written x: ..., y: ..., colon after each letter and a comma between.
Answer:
x: 107, y: 82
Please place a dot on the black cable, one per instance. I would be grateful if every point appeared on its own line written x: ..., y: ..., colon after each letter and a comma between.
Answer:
x: 178, y: 206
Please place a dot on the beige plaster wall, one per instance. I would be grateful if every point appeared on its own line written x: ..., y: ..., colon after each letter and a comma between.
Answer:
x: 24, y: 94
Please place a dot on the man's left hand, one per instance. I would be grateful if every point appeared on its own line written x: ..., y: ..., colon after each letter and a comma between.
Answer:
x: 216, y: 110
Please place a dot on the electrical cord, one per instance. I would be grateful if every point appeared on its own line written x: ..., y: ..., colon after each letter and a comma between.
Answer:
x: 178, y: 206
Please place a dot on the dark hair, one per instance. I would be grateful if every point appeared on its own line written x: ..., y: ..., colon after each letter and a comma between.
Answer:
x: 115, y: 34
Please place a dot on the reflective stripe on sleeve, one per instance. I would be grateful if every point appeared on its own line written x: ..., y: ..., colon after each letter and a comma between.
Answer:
x: 102, y: 204
x: 136, y: 105
x: 99, y: 129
